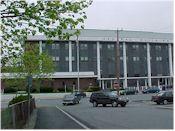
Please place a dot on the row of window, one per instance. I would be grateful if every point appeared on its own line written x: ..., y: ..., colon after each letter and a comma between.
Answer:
x: 109, y: 46
x: 57, y: 58
x: 135, y: 58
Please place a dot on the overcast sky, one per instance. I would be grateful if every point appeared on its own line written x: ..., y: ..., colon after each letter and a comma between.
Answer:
x: 143, y: 15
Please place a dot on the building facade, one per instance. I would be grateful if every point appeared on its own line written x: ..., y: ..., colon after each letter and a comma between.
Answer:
x: 146, y: 58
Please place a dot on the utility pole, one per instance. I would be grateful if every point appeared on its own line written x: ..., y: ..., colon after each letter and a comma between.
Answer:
x: 117, y: 63
x: 78, y: 79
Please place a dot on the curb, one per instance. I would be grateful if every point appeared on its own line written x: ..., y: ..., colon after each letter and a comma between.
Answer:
x: 30, y: 124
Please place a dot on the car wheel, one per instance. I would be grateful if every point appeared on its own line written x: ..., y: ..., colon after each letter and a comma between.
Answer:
x: 104, y: 105
x: 158, y: 103
x: 114, y: 104
x: 95, y: 104
x: 123, y: 105
x: 165, y: 102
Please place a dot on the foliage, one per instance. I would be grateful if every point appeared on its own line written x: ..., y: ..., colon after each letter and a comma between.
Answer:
x: 92, y: 89
x: 30, y: 63
x: 18, y: 84
x: 10, y: 90
x: 19, y: 99
x: 20, y: 19
x: 46, y: 90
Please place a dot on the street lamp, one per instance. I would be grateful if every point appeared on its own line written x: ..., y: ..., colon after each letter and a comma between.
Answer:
x: 78, y: 79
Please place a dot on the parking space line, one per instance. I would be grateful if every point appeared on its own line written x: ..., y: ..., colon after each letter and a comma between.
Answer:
x: 78, y: 122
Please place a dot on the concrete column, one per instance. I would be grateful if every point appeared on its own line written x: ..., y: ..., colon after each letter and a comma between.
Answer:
x: 170, y: 60
x: 124, y: 66
x: 166, y: 81
x: 103, y: 87
x: 40, y: 47
x: 158, y: 83
x: 70, y: 56
x: 149, y: 65
x: 145, y: 82
x: 137, y: 83
x: 111, y: 84
x: 100, y: 84
x: 98, y: 60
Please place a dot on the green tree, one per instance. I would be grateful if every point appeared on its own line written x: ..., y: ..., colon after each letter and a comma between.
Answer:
x: 20, y: 19
x: 30, y: 63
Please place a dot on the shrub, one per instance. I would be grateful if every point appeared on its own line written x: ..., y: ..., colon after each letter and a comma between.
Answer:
x: 92, y: 89
x: 19, y: 99
x: 9, y: 90
x: 46, y: 90
x: 34, y: 90
x: 55, y: 90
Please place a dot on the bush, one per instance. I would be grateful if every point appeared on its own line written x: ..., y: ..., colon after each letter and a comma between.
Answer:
x: 92, y: 89
x: 46, y: 90
x: 10, y: 90
x: 34, y: 90
x: 61, y: 90
x: 19, y: 99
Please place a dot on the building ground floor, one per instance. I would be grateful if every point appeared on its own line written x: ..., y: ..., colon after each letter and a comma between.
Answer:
x: 88, y: 79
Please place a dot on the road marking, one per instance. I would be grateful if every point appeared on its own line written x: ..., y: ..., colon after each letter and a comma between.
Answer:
x: 78, y: 122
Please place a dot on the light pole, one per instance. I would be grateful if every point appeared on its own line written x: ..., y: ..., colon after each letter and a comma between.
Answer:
x: 78, y: 79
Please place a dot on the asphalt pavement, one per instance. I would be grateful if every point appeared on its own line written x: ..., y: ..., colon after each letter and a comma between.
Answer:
x: 52, y: 118
x: 139, y: 113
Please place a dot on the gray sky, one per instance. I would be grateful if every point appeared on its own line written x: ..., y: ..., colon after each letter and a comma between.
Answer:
x: 143, y: 15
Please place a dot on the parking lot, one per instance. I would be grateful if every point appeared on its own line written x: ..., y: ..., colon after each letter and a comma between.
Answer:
x: 139, y: 113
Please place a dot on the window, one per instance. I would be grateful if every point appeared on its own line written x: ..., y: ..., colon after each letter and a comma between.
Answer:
x: 113, y: 58
x: 67, y: 58
x: 53, y: 46
x: 94, y: 46
x: 73, y: 46
x: 57, y: 58
x: 121, y: 58
x: 84, y: 58
x: 110, y: 46
x: 158, y: 47
x: 73, y: 58
x: 53, y: 58
x: 43, y: 45
x: 66, y: 46
x: 136, y: 58
x: 144, y: 46
x: 83, y: 46
x: 121, y: 46
x: 135, y: 46
x: 57, y: 46
x: 159, y: 58
x: 100, y: 46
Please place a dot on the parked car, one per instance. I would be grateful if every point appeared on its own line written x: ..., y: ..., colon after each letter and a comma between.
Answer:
x: 128, y: 91
x: 151, y: 90
x: 70, y: 99
x: 105, y: 98
x: 163, y: 97
x: 80, y: 94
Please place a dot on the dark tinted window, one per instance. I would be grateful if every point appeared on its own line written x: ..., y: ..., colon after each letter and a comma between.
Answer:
x: 169, y: 94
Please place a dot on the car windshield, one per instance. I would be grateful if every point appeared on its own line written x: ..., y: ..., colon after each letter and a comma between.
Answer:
x: 69, y: 96
x: 113, y: 94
